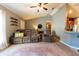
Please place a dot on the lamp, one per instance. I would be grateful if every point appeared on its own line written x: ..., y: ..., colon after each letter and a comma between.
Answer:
x: 18, y: 34
x: 35, y: 27
x: 70, y: 11
x: 39, y: 26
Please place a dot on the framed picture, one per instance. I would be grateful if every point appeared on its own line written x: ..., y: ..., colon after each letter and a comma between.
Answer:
x: 14, y: 21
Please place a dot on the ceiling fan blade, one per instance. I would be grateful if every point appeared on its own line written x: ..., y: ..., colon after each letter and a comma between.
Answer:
x: 45, y: 3
x: 33, y: 6
x: 45, y: 8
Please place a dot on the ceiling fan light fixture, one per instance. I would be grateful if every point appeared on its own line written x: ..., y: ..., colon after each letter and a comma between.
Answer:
x: 40, y: 6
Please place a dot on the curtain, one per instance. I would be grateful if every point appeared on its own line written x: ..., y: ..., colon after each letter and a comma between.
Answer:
x: 3, y: 40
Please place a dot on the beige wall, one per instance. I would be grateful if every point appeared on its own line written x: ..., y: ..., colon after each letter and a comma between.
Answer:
x: 22, y: 24
x: 10, y: 29
x: 35, y: 22
x: 57, y: 20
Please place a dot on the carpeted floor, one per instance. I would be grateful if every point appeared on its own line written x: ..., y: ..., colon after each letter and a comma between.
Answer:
x: 39, y: 49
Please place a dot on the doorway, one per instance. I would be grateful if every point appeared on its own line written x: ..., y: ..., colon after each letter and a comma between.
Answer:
x: 48, y: 27
x: 69, y: 24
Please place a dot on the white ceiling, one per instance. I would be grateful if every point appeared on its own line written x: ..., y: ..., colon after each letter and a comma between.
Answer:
x: 23, y: 9
x: 75, y: 9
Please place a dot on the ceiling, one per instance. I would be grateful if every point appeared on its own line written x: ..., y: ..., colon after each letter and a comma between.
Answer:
x: 23, y: 9
x: 75, y: 9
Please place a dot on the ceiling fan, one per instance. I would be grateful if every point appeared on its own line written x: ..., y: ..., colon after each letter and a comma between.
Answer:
x: 40, y: 5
